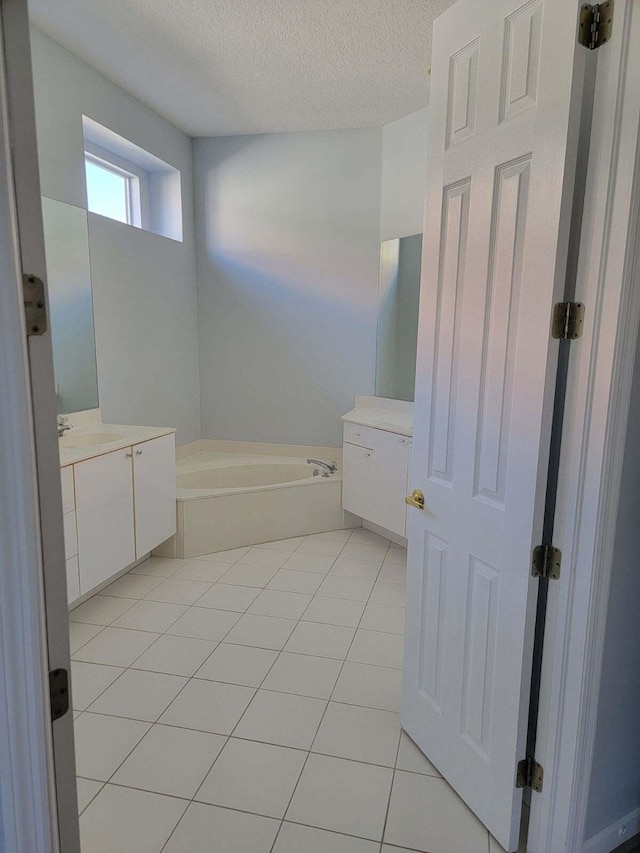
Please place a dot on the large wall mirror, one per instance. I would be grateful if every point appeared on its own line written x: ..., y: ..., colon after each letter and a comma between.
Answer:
x: 66, y: 239
x: 398, y: 297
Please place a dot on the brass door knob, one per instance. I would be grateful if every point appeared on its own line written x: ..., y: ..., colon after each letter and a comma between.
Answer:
x: 415, y: 499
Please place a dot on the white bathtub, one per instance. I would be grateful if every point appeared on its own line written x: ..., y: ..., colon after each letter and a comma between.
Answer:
x: 227, y: 500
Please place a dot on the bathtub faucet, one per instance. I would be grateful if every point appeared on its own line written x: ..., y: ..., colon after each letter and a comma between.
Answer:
x: 329, y: 467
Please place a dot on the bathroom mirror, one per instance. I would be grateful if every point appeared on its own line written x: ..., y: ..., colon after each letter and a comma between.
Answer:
x: 66, y: 239
x: 398, y: 297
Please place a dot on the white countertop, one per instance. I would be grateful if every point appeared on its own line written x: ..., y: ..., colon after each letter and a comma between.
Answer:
x: 380, y: 413
x: 130, y: 435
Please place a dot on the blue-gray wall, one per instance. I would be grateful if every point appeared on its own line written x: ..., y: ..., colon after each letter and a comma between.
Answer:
x: 144, y: 285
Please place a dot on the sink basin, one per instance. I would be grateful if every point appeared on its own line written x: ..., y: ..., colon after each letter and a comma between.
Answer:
x: 92, y: 440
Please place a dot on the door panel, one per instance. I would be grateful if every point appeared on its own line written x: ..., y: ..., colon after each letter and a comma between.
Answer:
x: 357, y: 480
x: 154, y: 477
x: 504, y: 99
x: 390, y: 465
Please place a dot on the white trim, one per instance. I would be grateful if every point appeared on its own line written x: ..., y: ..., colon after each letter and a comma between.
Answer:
x: 26, y: 778
x: 614, y: 835
x: 599, y: 388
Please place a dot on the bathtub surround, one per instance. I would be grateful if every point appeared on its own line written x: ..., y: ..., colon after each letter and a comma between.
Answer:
x: 144, y: 285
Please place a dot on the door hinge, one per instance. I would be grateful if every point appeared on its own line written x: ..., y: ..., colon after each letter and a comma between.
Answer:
x: 59, y: 692
x: 529, y: 774
x: 35, y: 310
x: 596, y: 23
x: 546, y: 562
x: 568, y: 321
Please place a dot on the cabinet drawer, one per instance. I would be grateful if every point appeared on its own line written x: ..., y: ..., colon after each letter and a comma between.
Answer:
x: 70, y: 535
x: 360, y: 435
x: 73, y: 579
x: 68, y: 493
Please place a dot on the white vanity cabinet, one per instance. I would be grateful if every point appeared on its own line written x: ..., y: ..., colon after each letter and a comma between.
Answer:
x: 104, y: 499
x: 391, y: 456
x: 375, y: 475
x: 154, y: 475
x: 124, y: 505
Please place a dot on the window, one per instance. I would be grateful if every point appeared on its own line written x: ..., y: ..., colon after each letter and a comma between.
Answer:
x: 111, y: 191
x: 130, y: 185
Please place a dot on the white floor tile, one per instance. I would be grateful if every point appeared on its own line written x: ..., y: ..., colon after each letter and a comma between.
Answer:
x: 292, y: 581
x: 80, y: 633
x: 139, y: 695
x: 376, y: 648
x: 362, y: 536
x: 150, y: 616
x: 314, y: 638
x: 338, y: 535
x: 266, y: 632
x: 349, y: 568
x: 383, y: 617
x: 281, y: 718
x: 175, y: 655
x: 410, y: 758
x: 162, y: 567
x: 375, y: 553
x: 256, y: 576
x: 272, y: 602
x: 122, y: 819
x: 202, y: 623
x: 233, y: 664
x: 179, y: 591
x: 264, y: 557
x: 334, y: 611
x: 294, y: 838
x: 88, y: 680
x: 289, y: 545
x: 101, y: 609
x: 205, y: 829
x: 393, y: 594
x: 324, y: 547
x: 253, y: 777
x: 87, y: 789
x: 132, y: 586
x: 223, y: 596
x: 304, y: 675
x: 229, y: 557
x: 426, y: 814
x: 116, y: 646
x: 208, y: 706
x: 353, y: 589
x: 303, y: 562
x: 362, y: 734
x: 397, y: 555
x: 369, y: 686
x: 393, y: 573
x: 103, y: 743
x: 341, y: 795
x: 202, y: 570
x: 169, y: 760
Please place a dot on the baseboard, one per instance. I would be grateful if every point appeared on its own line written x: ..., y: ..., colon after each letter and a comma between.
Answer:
x: 614, y: 835
x: 387, y: 534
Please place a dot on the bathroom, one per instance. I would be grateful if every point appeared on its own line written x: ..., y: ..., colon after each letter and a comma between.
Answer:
x: 276, y: 282
x: 260, y: 634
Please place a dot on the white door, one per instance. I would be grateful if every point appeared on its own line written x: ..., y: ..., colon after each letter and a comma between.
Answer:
x: 357, y: 471
x: 104, y: 507
x: 500, y: 175
x: 390, y: 466
x: 154, y: 479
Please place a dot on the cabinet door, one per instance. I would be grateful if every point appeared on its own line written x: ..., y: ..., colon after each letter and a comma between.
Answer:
x: 356, y: 480
x: 154, y: 477
x: 104, y: 507
x: 390, y: 467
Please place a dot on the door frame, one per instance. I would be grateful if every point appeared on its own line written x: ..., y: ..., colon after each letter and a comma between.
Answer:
x: 44, y: 757
x: 595, y: 424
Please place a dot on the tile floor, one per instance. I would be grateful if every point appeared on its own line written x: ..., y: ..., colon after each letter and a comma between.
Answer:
x: 247, y: 702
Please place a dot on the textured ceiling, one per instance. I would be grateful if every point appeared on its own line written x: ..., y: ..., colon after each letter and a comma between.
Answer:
x: 221, y: 67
